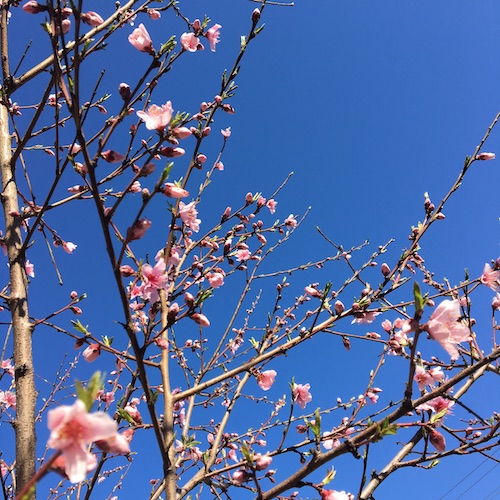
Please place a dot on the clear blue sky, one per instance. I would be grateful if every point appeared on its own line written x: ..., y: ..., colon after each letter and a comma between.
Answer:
x: 370, y: 104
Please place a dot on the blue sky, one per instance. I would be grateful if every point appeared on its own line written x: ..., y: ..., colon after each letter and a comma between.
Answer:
x: 370, y: 104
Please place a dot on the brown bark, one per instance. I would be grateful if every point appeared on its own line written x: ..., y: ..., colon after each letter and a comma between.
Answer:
x: 18, y: 305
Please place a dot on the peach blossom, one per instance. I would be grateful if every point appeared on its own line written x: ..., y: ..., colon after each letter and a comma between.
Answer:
x: 140, y: 39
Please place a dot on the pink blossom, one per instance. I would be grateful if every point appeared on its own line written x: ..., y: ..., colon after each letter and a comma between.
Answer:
x: 335, y: 495
x: 73, y: 429
x: 366, y: 318
x: 188, y: 214
x: 216, y: 280
x: 8, y: 399
x: 424, y: 378
x: 290, y: 221
x: 157, y: 117
x: 92, y: 352
x: 490, y: 278
x: 7, y: 366
x: 437, y: 405
x: 141, y: 40
x: 92, y: 18
x: 173, y: 191
x: 59, y: 465
x: 153, y: 279
x: 213, y: 36
x: 329, y: 444
x: 30, y: 269
x: 68, y: 247
x: 243, y: 254
x: 301, y: 394
x: 485, y: 156
x: 387, y: 325
x: 226, y: 132
x: 271, y: 204
x: 135, y: 187
x: 118, y: 443
x: 265, y: 379
x: 445, y: 327
x: 154, y: 14
x: 495, y: 303
x: 190, y: 42
x: 219, y: 165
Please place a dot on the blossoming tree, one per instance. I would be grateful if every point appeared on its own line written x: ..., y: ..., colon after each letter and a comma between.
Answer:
x: 194, y: 402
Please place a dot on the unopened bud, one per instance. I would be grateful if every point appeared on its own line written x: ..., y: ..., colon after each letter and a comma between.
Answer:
x: 255, y: 15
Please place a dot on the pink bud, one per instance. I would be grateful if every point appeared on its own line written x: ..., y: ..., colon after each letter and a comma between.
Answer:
x: 485, y: 156
x: 339, y: 307
x: 33, y: 7
x: 437, y: 440
x: 140, y: 39
x: 92, y: 352
x: 201, y: 319
x: 248, y: 198
x: 112, y: 156
x: 206, y: 131
x: 124, y: 91
x: 262, y: 462
x: 385, y: 269
x: 189, y: 299
x: 171, y: 152
x: 73, y: 295
x: 173, y: 191
x: 92, y: 18
x: 126, y: 271
x: 226, y: 132
x: 138, y: 229
x: 154, y: 14
x: 240, y: 476
x: 181, y: 132
x: 255, y: 15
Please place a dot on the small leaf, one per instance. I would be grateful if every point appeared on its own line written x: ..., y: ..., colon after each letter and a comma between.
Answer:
x: 419, y: 301
x: 79, y: 327
x: 88, y: 394
x: 330, y: 476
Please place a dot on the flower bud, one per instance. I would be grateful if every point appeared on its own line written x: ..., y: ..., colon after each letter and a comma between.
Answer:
x: 124, y: 91
x: 201, y: 319
x: 255, y: 15
x: 339, y: 307
x: 482, y: 156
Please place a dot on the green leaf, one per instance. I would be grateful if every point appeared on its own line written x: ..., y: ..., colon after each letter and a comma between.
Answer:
x: 168, y: 46
x: 79, y: 327
x: 88, y: 394
x: 125, y: 415
x: 330, y: 476
x: 258, y: 30
x: 438, y: 416
x: 166, y: 172
x: 419, y: 301
x: 107, y: 340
